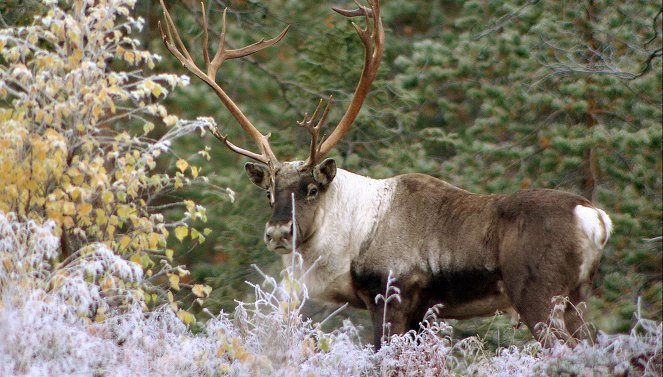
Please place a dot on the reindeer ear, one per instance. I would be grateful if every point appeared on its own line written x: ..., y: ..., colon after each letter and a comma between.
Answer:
x: 258, y: 174
x: 325, y: 172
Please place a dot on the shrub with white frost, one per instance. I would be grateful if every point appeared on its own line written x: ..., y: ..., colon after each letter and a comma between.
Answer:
x: 46, y: 330
x: 45, y: 320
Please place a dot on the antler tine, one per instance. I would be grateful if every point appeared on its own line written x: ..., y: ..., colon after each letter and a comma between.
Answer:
x: 206, y: 33
x: 373, y: 40
x: 176, y: 47
x: 362, y: 10
x: 236, y: 149
x: 169, y: 40
x: 314, y: 130
x: 223, y: 54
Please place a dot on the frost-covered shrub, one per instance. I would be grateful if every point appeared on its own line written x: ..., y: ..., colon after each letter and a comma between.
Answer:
x: 418, y: 354
x: 91, y: 281
x: 271, y: 337
x: 78, y: 150
x: 46, y: 308
x: 634, y: 354
x: 46, y: 331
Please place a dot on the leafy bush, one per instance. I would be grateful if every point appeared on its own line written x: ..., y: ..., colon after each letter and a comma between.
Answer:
x: 79, y: 144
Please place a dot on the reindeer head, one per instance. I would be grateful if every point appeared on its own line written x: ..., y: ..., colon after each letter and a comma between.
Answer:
x: 307, y: 181
x: 291, y: 184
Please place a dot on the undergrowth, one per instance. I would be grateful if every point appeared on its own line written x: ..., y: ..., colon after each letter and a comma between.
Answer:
x: 47, y: 329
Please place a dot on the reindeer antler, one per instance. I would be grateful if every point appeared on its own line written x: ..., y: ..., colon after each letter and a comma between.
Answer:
x: 174, y: 44
x: 373, y: 40
x: 372, y: 37
x: 314, y: 130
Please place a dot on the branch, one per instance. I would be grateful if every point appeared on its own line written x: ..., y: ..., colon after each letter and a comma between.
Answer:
x: 653, y: 26
x: 504, y: 20
x: 656, y: 54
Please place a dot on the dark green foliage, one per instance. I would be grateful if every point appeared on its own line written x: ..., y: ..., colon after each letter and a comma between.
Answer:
x: 490, y: 96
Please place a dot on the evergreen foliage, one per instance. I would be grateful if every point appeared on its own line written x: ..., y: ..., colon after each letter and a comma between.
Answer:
x: 492, y: 97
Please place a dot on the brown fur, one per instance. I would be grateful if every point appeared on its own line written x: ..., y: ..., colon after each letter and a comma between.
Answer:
x: 475, y: 254
x: 524, y: 240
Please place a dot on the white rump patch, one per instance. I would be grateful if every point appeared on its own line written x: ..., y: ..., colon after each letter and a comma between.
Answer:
x: 595, y: 227
x: 595, y: 223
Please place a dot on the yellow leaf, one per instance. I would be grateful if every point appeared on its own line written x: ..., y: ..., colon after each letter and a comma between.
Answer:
x: 111, y: 231
x: 182, y: 165
x: 96, y: 111
x: 123, y: 211
x: 156, y: 90
x: 68, y: 222
x: 186, y: 317
x: 84, y: 209
x: 190, y: 205
x: 124, y: 242
x: 154, y: 240
x: 75, y: 193
x: 181, y: 232
x: 170, y: 121
x: 201, y: 290
x: 174, y: 281
x: 147, y: 127
x: 101, y: 315
x: 68, y: 208
x: 194, y: 233
x: 122, y: 196
x: 194, y: 171
x: 101, y: 217
x: 129, y: 56
x: 75, y: 57
x: 107, y: 197
x: 107, y: 282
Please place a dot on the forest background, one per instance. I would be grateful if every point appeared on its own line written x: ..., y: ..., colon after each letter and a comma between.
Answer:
x: 490, y: 96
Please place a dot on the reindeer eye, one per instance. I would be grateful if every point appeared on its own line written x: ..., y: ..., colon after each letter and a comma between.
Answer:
x: 312, y: 190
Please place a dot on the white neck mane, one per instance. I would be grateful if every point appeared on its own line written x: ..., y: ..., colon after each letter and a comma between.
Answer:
x: 345, y: 218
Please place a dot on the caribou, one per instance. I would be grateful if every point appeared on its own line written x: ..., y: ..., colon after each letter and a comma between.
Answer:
x: 473, y: 254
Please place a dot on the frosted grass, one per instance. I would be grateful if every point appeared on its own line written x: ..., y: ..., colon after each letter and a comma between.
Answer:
x: 84, y: 317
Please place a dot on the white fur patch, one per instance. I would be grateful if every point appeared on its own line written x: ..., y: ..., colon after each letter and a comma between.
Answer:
x: 595, y: 223
x: 345, y: 217
x: 595, y: 228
